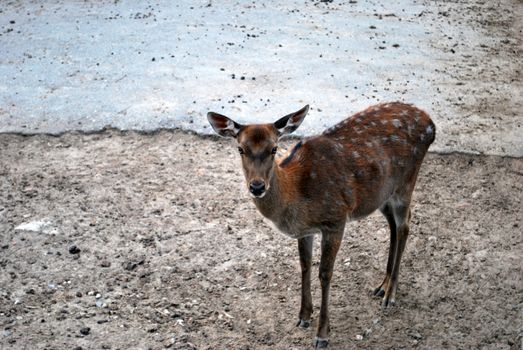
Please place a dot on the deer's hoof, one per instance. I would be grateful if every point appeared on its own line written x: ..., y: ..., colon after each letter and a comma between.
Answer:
x: 320, y: 343
x: 387, y: 303
x: 378, y: 292
x: 303, y: 324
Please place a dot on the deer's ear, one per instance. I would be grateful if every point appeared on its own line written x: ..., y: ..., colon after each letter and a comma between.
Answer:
x: 223, y: 126
x: 290, y: 122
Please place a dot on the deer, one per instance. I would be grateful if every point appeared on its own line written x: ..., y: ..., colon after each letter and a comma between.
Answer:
x: 367, y: 162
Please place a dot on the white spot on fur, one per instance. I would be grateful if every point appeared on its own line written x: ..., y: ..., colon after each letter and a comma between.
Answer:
x: 384, y: 121
x: 355, y: 154
x: 429, y: 130
x: 396, y: 123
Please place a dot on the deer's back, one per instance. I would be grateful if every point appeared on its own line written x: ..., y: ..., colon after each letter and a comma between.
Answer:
x: 356, y: 165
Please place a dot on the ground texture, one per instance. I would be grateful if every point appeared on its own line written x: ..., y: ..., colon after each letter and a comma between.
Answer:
x: 149, y: 241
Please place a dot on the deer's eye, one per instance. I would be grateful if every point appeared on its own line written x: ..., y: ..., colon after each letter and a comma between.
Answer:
x: 274, y: 150
x: 240, y: 150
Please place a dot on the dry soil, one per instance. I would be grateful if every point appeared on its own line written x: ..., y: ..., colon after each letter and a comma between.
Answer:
x: 150, y: 241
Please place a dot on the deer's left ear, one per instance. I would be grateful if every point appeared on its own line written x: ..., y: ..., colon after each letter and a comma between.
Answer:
x: 290, y: 122
x: 223, y: 126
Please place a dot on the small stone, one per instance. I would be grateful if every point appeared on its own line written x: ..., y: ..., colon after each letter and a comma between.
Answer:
x: 169, y: 342
x: 85, y: 331
x: 414, y: 334
x: 74, y: 249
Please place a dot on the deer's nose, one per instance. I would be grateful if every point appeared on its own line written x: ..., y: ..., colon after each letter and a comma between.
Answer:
x: 257, y: 188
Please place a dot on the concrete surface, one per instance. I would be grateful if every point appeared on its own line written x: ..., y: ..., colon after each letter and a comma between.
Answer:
x: 84, y: 65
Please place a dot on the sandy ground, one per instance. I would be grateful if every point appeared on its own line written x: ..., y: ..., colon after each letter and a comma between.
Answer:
x: 149, y: 241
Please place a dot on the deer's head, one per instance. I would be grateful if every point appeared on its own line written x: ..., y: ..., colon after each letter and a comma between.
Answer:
x: 257, y: 145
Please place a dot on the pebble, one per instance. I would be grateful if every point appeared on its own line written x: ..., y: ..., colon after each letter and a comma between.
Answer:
x: 85, y: 330
x: 74, y: 249
x: 153, y: 328
x: 414, y: 334
x: 169, y: 342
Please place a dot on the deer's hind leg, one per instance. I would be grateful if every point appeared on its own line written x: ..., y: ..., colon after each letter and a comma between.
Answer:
x: 401, y: 211
x: 386, y: 210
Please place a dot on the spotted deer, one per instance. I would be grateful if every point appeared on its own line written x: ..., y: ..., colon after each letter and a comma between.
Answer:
x: 368, y: 161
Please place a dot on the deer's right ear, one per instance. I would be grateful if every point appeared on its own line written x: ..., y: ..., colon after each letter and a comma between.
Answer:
x: 223, y: 126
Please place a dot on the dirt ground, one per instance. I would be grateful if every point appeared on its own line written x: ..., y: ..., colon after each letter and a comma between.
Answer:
x: 150, y: 242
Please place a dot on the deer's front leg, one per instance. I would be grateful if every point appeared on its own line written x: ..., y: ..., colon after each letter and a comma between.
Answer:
x: 330, y: 244
x: 305, y: 249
